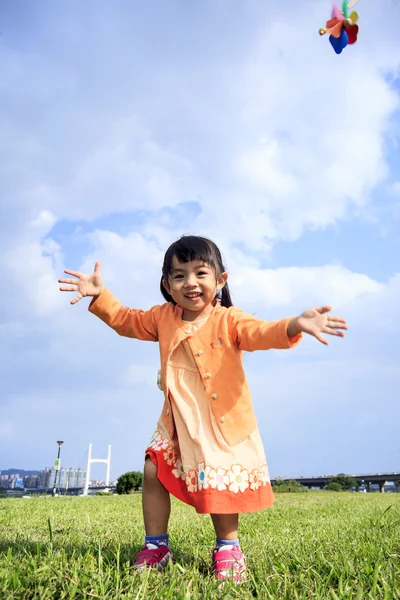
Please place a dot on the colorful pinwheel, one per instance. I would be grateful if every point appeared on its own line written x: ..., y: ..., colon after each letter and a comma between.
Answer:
x: 341, y: 26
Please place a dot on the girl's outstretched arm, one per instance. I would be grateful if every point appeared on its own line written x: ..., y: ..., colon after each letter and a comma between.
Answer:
x: 316, y: 321
x: 250, y: 333
x: 128, y: 322
x: 84, y: 285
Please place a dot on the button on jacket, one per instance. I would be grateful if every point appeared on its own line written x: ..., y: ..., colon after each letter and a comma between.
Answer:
x: 217, y: 348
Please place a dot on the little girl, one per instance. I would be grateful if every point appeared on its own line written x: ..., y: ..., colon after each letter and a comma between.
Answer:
x: 206, y: 449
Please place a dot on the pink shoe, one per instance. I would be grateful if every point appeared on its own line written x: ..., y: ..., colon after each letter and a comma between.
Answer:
x: 152, y: 557
x: 229, y: 563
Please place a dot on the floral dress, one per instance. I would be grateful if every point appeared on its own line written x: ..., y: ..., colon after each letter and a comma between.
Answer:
x: 197, y: 465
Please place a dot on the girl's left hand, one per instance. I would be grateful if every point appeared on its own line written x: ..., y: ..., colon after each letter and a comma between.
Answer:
x: 316, y: 321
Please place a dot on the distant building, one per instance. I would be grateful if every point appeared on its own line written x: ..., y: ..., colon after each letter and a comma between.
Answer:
x: 76, y: 478
x: 66, y: 478
x: 3, y: 481
x: 44, y: 478
x: 31, y: 482
x: 15, y: 481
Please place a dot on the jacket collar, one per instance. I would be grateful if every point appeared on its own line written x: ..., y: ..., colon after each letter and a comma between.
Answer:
x: 178, y: 310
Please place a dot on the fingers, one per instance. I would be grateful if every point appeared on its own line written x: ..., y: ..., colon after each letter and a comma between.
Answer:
x: 74, y: 288
x: 332, y: 319
x: 333, y: 332
x: 321, y: 339
x: 97, y: 269
x: 69, y: 281
x: 336, y: 323
x: 330, y: 325
x: 78, y: 297
x: 73, y: 273
x: 324, y: 309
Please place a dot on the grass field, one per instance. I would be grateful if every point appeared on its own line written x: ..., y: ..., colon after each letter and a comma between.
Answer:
x: 312, y: 545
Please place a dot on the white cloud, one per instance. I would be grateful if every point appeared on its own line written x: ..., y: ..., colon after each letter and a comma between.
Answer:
x: 127, y: 171
x: 297, y: 140
x: 315, y: 146
x: 262, y: 167
x: 300, y: 286
x: 43, y: 223
x: 131, y: 266
x: 32, y: 265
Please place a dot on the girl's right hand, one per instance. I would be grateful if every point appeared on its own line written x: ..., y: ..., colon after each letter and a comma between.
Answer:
x: 85, y: 285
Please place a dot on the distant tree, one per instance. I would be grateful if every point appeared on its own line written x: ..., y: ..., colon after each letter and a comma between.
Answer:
x: 279, y: 481
x: 129, y: 482
x: 333, y: 486
x: 345, y: 481
x: 288, y: 486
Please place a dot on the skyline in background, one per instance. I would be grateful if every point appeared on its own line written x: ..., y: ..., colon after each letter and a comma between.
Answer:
x: 123, y: 127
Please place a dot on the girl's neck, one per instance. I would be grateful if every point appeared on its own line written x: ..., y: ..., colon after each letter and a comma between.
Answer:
x: 191, y: 315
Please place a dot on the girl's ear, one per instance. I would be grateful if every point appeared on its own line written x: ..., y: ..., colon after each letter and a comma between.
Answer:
x: 221, y: 281
x: 165, y: 284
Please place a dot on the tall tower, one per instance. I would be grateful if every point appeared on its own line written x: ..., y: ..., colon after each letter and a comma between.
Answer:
x: 97, y: 460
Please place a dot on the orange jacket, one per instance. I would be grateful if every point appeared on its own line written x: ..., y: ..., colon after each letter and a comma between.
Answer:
x: 217, y: 348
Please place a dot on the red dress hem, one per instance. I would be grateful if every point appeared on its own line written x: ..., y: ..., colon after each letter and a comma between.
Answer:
x: 212, y: 501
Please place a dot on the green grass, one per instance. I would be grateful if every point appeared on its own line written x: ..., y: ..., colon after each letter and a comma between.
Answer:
x: 314, y: 545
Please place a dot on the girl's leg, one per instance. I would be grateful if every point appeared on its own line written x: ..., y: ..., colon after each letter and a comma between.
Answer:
x: 155, y: 501
x: 228, y: 559
x: 156, y: 510
x: 226, y: 526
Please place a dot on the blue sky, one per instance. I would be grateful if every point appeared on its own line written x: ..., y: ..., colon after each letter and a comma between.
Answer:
x: 124, y: 126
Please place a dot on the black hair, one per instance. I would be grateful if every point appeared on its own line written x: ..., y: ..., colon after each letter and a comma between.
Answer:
x: 193, y: 247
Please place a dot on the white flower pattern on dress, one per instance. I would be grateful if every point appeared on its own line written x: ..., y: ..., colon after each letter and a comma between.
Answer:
x: 170, y: 456
x: 156, y: 435
x: 191, y: 480
x: 179, y: 470
x: 238, y: 478
x: 161, y: 444
x: 203, y: 476
x: 218, y: 479
x: 254, y: 481
x: 158, y: 443
x: 264, y: 475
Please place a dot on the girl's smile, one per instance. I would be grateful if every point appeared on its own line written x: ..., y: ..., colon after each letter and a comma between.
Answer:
x: 194, y: 297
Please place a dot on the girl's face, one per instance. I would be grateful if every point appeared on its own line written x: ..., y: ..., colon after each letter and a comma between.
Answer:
x: 193, y: 285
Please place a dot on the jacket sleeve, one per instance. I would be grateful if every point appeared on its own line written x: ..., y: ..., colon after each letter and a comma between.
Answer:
x: 128, y: 322
x: 250, y: 333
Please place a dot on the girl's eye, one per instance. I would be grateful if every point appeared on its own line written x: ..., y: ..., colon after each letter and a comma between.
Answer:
x: 202, y: 273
